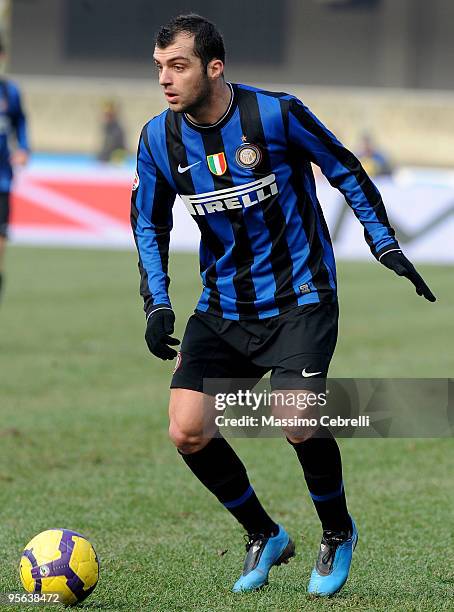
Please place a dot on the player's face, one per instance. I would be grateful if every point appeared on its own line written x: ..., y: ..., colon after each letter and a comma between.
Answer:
x: 181, y: 74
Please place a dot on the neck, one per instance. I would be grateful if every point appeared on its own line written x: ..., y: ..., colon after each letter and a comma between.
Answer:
x: 214, y: 106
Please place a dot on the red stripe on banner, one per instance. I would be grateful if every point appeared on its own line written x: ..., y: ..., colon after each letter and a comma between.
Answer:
x: 113, y: 199
x: 26, y: 213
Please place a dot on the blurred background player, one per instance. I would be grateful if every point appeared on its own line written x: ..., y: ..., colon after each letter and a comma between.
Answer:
x: 374, y: 161
x: 12, y: 121
x: 113, y: 147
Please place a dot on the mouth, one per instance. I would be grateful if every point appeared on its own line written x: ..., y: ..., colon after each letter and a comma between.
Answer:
x: 171, y: 97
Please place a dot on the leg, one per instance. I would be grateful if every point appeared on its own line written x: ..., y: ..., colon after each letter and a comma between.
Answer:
x: 213, y: 460
x: 4, y: 219
x: 308, y: 340
x: 314, y: 329
x: 2, y: 252
x: 219, y: 468
x: 205, y: 355
x: 320, y: 458
x: 318, y: 454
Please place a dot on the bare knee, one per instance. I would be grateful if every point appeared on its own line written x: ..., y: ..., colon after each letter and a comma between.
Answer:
x: 299, y: 434
x: 191, y: 424
x: 187, y: 440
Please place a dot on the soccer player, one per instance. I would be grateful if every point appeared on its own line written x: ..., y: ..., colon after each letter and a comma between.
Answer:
x: 240, y: 158
x: 12, y: 120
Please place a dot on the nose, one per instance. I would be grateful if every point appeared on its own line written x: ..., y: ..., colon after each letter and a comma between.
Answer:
x: 164, y: 77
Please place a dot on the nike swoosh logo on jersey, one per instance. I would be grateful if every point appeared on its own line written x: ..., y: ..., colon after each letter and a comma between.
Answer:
x: 307, y: 374
x: 181, y: 169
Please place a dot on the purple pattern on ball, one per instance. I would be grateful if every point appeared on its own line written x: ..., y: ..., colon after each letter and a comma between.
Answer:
x: 31, y: 557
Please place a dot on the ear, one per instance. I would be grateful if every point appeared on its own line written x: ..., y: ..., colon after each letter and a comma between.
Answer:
x: 215, y: 68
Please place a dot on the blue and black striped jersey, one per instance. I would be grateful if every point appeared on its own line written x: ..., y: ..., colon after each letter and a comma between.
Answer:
x: 12, y: 121
x: 247, y: 182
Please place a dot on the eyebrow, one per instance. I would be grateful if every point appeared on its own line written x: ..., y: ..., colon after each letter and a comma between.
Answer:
x: 173, y: 59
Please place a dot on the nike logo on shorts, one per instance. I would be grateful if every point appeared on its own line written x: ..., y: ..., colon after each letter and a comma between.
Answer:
x: 307, y: 374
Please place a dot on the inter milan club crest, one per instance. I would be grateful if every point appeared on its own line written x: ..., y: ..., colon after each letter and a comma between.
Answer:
x: 217, y: 163
x: 248, y: 155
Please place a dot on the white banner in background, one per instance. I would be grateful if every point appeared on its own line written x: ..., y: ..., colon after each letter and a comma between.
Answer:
x: 420, y: 207
x: 89, y: 206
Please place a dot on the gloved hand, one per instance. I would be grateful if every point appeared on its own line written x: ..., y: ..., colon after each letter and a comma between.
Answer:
x: 160, y: 324
x: 396, y: 260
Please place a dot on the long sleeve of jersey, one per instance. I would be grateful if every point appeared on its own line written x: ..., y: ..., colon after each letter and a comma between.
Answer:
x: 151, y: 220
x: 344, y: 171
x: 18, y: 118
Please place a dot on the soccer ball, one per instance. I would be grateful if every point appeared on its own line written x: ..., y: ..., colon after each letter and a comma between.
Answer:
x: 60, y: 561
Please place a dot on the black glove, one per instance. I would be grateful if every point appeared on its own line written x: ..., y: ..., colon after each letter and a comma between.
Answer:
x: 159, y: 325
x: 396, y: 260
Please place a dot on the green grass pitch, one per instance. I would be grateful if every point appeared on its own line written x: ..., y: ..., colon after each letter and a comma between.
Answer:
x: 83, y: 445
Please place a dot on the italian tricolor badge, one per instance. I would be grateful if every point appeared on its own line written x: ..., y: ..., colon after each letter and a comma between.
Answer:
x: 217, y: 163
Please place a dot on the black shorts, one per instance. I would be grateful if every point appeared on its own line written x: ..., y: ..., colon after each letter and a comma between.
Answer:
x: 296, y: 347
x: 4, y: 213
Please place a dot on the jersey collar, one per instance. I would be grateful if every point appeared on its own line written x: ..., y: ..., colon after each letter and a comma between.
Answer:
x: 220, y: 122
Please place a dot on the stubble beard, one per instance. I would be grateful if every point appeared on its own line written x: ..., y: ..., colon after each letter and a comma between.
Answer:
x: 201, y: 99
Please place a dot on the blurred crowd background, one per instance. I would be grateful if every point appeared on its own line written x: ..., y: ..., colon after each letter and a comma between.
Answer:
x: 390, y: 64
x: 377, y: 72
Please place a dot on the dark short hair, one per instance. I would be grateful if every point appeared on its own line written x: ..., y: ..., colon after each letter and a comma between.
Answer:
x: 208, y: 41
